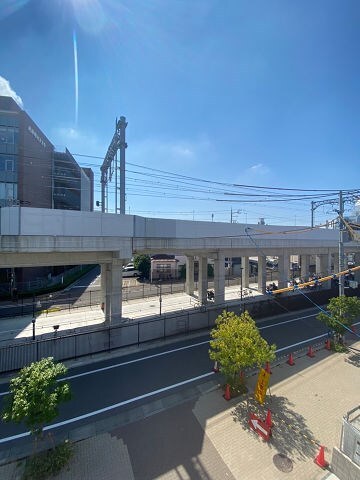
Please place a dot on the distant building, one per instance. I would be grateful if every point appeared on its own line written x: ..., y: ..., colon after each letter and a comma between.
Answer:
x: 33, y: 174
x: 164, y: 267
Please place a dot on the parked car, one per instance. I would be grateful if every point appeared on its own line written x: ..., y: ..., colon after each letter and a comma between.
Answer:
x: 130, y: 271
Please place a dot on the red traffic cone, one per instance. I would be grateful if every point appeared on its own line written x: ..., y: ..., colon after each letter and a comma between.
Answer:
x: 327, y: 344
x: 267, y: 368
x: 291, y: 360
x: 320, y: 458
x: 227, y: 395
x: 310, y: 352
x: 216, y: 367
x: 268, y: 420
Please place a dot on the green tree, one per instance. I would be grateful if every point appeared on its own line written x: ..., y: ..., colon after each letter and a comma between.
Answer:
x: 340, y: 311
x: 35, y: 395
x: 143, y: 264
x: 182, y: 271
x: 236, y: 344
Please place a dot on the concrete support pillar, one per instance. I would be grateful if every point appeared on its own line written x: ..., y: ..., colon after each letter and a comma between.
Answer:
x: 105, y: 290
x: 111, y: 289
x: 283, y: 266
x: 116, y: 290
x: 329, y: 263
x: 305, y: 267
x: 219, y: 279
x: 203, y: 280
x: 262, y: 274
x: 321, y: 264
x: 189, y: 284
x: 245, y: 271
x: 336, y: 262
x: 357, y: 263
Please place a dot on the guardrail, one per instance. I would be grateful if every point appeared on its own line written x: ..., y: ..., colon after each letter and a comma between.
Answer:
x: 89, y: 340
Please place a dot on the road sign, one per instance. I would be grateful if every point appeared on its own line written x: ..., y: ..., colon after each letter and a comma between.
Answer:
x: 262, y: 385
x: 259, y: 427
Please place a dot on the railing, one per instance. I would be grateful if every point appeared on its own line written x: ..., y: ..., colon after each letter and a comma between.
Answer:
x: 90, y: 340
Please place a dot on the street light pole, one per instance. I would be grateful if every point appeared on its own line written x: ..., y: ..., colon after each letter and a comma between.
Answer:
x: 341, y: 244
x: 241, y: 289
x: 160, y: 295
x: 33, y: 327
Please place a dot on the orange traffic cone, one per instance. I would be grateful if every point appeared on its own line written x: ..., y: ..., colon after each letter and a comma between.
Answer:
x: 320, y: 458
x: 310, y: 352
x: 268, y: 420
x: 291, y: 360
x: 267, y: 368
x: 227, y: 395
x: 216, y: 367
x: 327, y: 344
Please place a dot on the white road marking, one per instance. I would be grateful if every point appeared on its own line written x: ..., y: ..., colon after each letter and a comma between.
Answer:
x: 109, y: 407
x: 287, y: 321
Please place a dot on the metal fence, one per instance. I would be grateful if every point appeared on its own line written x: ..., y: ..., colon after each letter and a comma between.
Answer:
x: 80, y: 297
x: 76, y: 344
x: 90, y: 340
x: 350, y: 435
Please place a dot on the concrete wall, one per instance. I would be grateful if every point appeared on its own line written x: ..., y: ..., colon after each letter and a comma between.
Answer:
x: 343, y: 467
x: 30, y: 221
x: 35, y: 221
x: 168, y: 228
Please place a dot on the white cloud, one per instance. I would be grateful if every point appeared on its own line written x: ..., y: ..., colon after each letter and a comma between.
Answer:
x: 78, y: 141
x: 172, y: 154
x: 258, y: 169
x: 7, y: 91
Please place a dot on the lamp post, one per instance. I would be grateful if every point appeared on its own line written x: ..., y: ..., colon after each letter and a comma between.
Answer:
x: 33, y: 327
x: 241, y: 289
x: 160, y: 295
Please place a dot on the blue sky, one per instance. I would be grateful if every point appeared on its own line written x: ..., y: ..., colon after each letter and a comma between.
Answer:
x: 257, y: 92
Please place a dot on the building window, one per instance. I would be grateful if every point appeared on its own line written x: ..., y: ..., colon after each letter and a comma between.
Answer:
x: 8, y: 191
x: 8, y: 163
x: 7, y: 135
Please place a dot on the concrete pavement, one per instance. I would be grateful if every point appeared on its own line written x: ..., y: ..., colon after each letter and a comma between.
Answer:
x: 133, y: 310
x: 195, y: 434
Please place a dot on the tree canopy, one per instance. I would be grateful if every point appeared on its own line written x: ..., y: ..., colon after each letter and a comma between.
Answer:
x: 236, y: 344
x: 35, y: 395
x: 340, y: 311
x: 143, y: 264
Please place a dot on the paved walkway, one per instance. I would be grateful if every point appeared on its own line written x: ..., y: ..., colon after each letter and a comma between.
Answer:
x: 133, y: 310
x: 201, y: 436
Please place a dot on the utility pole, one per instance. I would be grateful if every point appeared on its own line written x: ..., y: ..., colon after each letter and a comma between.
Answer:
x: 110, y: 165
x: 341, y: 244
x: 312, y: 213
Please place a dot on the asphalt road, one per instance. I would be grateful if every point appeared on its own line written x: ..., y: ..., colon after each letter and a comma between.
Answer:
x: 87, y: 292
x: 96, y: 386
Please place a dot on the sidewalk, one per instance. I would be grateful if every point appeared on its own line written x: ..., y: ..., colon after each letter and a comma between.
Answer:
x: 133, y: 310
x: 197, y: 435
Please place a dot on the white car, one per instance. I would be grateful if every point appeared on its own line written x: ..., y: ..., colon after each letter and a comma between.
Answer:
x: 130, y: 271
